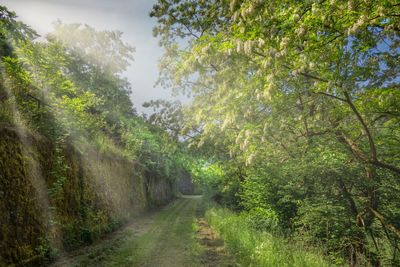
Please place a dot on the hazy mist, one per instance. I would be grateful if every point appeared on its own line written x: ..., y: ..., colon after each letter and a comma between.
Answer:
x: 129, y: 16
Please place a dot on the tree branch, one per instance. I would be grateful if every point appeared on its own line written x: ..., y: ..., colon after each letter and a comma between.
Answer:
x: 390, y: 226
x: 364, y: 125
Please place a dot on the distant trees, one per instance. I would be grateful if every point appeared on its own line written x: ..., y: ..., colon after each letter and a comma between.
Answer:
x: 300, y: 103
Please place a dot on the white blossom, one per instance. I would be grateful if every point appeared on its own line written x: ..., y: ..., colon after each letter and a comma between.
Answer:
x: 381, y: 11
x: 238, y: 138
x: 250, y: 10
x: 266, y: 63
x: 250, y: 159
x: 243, y: 12
x: 245, y: 144
x: 205, y: 49
x: 232, y: 4
x: 265, y: 129
x: 239, y: 46
x: 284, y: 43
x: 270, y: 77
x: 315, y: 9
x: 235, y: 16
x: 359, y: 23
x: 248, y: 47
x: 350, y: 5
x: 261, y: 42
x: 301, y: 31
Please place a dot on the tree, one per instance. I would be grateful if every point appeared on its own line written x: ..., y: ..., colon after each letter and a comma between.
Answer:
x: 96, y: 61
x: 297, y: 87
x: 12, y: 30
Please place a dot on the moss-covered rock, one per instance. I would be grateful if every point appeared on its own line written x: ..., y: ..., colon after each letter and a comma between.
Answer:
x: 21, y: 221
x: 96, y: 192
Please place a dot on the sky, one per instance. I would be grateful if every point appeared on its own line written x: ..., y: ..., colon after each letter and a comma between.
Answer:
x: 129, y: 16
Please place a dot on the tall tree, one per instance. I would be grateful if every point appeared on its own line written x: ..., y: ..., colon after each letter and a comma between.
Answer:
x: 289, y: 87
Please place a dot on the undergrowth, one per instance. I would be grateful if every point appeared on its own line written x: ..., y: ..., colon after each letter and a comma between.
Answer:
x: 252, y: 247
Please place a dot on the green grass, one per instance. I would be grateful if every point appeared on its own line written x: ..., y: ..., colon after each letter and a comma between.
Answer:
x: 168, y: 241
x: 254, y: 248
x: 138, y: 251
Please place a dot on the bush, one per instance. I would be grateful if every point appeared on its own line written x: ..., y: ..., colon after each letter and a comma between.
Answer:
x: 253, y: 247
x: 262, y: 219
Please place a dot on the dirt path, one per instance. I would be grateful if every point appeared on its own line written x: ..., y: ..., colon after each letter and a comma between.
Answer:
x: 173, y: 236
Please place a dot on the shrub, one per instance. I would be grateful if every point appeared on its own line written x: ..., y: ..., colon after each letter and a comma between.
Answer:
x: 253, y: 247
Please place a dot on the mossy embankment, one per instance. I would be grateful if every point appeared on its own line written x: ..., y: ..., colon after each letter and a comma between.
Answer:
x: 53, y: 200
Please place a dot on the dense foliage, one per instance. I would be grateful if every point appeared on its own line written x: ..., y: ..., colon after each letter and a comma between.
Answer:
x: 70, y: 86
x: 253, y: 247
x: 294, y: 121
x: 296, y: 107
x: 65, y: 97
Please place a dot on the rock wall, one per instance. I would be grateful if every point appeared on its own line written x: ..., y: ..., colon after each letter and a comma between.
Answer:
x: 21, y: 222
x: 45, y: 210
x: 186, y: 185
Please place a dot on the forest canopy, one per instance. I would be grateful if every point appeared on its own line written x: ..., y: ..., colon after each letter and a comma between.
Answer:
x: 297, y: 104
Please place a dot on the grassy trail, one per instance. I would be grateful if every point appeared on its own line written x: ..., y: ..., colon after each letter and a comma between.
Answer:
x: 169, y: 237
